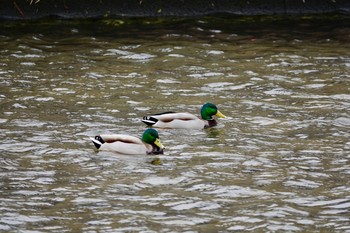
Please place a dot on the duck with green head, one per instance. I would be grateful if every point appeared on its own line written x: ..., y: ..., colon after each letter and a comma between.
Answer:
x: 185, y: 120
x: 126, y: 144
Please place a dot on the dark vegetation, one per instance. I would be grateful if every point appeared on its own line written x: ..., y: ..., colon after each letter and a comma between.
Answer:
x: 35, y: 9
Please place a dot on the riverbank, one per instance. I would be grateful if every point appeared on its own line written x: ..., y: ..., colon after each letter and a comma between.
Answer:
x: 73, y: 9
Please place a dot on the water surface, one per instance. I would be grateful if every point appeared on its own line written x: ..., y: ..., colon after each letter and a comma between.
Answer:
x: 279, y: 161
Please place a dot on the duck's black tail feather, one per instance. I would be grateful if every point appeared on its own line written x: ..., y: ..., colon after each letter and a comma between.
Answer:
x: 148, y: 120
x: 98, y: 141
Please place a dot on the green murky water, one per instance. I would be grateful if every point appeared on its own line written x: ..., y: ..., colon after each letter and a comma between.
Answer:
x: 278, y: 162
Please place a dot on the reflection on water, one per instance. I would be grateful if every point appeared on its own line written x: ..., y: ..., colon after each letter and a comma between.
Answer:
x: 278, y: 162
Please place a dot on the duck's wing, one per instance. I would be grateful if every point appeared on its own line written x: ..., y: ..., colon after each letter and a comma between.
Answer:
x: 173, y: 120
x: 152, y: 119
x: 167, y: 117
x: 110, y: 138
x: 121, y: 143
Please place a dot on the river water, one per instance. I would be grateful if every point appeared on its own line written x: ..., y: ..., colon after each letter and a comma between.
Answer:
x: 278, y: 162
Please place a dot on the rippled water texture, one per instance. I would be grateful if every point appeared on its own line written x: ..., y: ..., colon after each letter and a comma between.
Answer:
x: 278, y: 162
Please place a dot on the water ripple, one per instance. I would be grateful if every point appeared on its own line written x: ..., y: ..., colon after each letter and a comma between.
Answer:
x: 277, y: 162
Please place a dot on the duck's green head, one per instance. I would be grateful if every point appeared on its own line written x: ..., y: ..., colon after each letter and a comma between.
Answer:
x: 150, y: 136
x: 208, y: 110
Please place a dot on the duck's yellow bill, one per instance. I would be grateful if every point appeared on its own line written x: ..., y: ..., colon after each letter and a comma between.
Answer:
x: 219, y: 114
x: 159, y: 144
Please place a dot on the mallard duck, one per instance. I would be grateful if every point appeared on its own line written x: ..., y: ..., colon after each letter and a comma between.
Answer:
x: 184, y: 120
x: 125, y: 144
